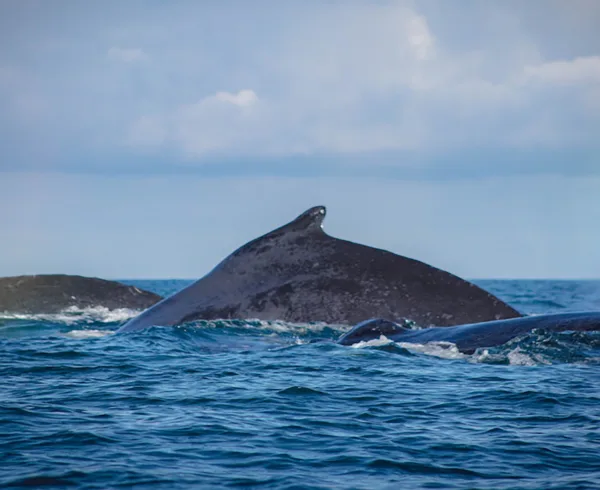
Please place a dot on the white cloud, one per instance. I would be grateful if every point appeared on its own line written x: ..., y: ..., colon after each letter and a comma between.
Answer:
x: 420, y: 38
x: 332, y: 77
x: 243, y: 98
x: 216, y: 122
x: 581, y: 70
x: 367, y: 77
x: 126, y: 55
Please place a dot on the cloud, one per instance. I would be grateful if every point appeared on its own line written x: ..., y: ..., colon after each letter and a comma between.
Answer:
x: 316, y: 78
x: 244, y: 98
x: 367, y: 77
x: 347, y: 58
x: 420, y: 38
x: 580, y: 71
x: 126, y: 55
x: 215, y: 123
x: 212, y: 124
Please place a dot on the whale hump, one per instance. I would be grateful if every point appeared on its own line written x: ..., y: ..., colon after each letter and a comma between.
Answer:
x: 52, y: 293
x: 298, y: 273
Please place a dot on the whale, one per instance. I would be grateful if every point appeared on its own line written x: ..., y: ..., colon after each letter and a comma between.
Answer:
x: 53, y: 293
x: 470, y: 337
x: 298, y: 273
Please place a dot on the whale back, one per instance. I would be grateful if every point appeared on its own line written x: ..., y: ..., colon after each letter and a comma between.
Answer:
x: 53, y: 293
x: 371, y: 330
x: 298, y: 273
x: 470, y: 337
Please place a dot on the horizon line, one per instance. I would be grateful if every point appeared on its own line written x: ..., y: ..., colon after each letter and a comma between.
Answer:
x: 467, y: 278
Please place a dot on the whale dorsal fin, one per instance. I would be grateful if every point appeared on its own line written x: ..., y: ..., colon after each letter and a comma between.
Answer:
x: 311, y: 219
x: 310, y: 222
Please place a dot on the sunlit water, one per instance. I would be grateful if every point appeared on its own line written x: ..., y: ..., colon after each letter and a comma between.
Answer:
x: 232, y: 404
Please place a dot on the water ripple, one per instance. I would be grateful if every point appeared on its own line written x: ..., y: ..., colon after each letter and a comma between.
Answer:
x: 233, y: 404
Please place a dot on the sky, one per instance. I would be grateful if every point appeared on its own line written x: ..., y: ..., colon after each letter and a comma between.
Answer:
x: 151, y: 138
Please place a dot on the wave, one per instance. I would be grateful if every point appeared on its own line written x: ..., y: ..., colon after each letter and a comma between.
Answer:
x: 534, y: 349
x: 71, y: 315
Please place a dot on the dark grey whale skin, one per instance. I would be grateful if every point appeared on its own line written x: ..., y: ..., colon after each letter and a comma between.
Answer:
x: 470, y: 337
x: 298, y: 273
x: 52, y: 293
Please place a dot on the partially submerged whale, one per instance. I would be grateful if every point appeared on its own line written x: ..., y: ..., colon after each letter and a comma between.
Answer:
x: 298, y: 273
x: 53, y: 293
x: 470, y: 337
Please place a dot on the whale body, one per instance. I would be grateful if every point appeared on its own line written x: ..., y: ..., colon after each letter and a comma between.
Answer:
x: 298, y: 273
x: 52, y: 293
x: 470, y: 337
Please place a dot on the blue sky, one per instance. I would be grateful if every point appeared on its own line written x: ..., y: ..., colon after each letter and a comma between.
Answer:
x: 149, y: 138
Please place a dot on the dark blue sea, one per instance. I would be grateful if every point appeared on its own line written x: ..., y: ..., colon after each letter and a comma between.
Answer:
x: 255, y: 404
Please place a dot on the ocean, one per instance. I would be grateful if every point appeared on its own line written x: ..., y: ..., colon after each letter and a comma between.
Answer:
x: 219, y: 404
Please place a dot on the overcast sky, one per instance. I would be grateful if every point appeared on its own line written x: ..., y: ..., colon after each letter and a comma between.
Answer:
x: 149, y: 138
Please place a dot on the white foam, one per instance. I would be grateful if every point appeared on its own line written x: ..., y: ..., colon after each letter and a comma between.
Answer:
x: 277, y: 326
x: 88, y: 334
x: 72, y: 315
x: 517, y: 357
x: 448, y: 350
x: 485, y: 356
x: 382, y: 340
x: 298, y: 328
x: 103, y: 314
x: 444, y: 350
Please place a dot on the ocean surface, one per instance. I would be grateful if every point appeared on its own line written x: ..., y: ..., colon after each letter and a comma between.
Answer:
x: 224, y: 404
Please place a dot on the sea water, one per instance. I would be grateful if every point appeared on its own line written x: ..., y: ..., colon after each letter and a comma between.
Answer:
x: 216, y: 404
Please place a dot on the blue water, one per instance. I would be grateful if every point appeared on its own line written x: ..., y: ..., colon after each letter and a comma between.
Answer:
x: 256, y: 404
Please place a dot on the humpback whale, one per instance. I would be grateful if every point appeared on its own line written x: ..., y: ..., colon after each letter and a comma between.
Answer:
x: 468, y: 338
x: 53, y: 293
x: 298, y: 273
